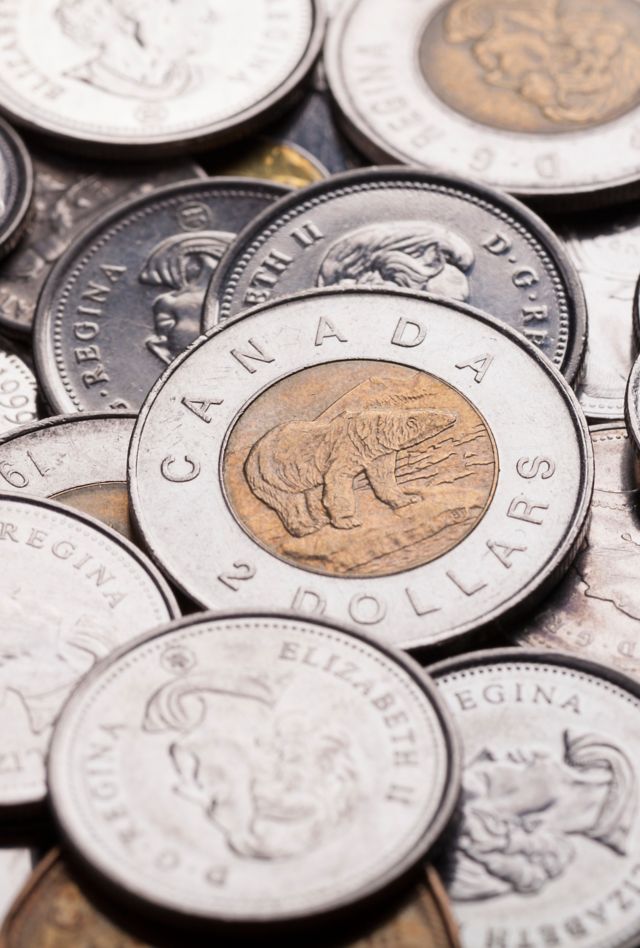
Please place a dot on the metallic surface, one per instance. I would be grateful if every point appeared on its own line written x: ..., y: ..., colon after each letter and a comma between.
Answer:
x: 271, y: 768
x: 18, y: 390
x: 399, y: 461
x: 126, y: 297
x: 71, y: 591
x: 407, y: 228
x: 281, y: 162
x: 16, y: 866
x: 153, y: 78
x: 16, y: 187
x: 632, y: 407
x: 546, y: 848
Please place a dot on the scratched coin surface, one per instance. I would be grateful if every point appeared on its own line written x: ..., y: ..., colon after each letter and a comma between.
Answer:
x: 126, y: 297
x: 79, y: 460
x: 541, y: 99
x: 68, y: 194
x: 396, y: 227
x: 546, y: 850
x: 71, y: 591
x: 264, y: 768
x: 357, y: 453
x: 18, y: 390
x: 151, y: 78
x: 16, y: 187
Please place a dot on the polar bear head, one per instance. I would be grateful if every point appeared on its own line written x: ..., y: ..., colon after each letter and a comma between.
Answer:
x: 388, y: 430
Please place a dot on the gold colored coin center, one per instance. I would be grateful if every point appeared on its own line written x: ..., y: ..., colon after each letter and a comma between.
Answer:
x: 359, y: 468
x: 106, y: 502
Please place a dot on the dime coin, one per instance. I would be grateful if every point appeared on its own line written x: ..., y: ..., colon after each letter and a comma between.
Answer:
x: 15, y: 868
x: 595, y: 611
x: 18, y: 390
x: 396, y: 227
x: 79, y: 460
x: 68, y: 194
x: 126, y: 297
x: 539, y: 99
x: 153, y: 78
x: 633, y: 405
x: 281, y: 162
x: 71, y: 590
x: 265, y: 768
x: 403, y: 463
x: 16, y: 188
x: 546, y: 852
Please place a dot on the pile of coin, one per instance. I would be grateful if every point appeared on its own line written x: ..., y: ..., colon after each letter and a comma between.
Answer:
x: 319, y: 473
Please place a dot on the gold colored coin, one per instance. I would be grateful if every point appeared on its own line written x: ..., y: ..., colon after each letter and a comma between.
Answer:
x: 360, y: 468
x: 535, y: 65
x: 106, y: 502
x: 279, y: 162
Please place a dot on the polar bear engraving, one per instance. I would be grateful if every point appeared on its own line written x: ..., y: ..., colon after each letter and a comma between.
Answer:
x: 304, y: 470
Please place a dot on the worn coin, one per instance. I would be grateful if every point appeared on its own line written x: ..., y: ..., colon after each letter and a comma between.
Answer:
x: 396, y: 227
x: 68, y: 194
x: 18, y: 390
x: 547, y: 851
x: 595, y: 611
x: 79, y: 460
x: 279, y: 161
x: 152, y: 77
x: 250, y: 768
x: 541, y: 99
x: 126, y: 297
x: 71, y: 590
x: 633, y: 405
x: 16, y: 187
x: 403, y: 463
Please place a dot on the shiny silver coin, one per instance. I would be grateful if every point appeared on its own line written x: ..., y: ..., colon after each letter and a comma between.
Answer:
x: 396, y: 227
x: 71, y: 590
x: 546, y: 851
x: 16, y: 187
x: 18, y: 390
x: 595, y: 611
x: 402, y: 463
x: 152, y: 78
x: 126, y: 297
x: 531, y: 103
x: 68, y: 195
x: 264, y: 768
x: 633, y: 405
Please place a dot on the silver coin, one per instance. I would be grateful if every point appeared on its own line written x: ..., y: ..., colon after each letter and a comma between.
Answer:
x: 263, y: 768
x: 153, y: 77
x: 396, y: 227
x: 71, y: 590
x: 532, y: 103
x: 68, y: 194
x: 548, y: 845
x: 16, y: 187
x: 126, y: 297
x: 16, y: 866
x: 18, y: 390
x: 633, y: 405
x: 402, y: 463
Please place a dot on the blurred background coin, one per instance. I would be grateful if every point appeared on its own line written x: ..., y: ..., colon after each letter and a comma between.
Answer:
x: 546, y: 848
x: 153, y: 78
x: 16, y: 187
x: 633, y: 405
x: 126, y: 297
x: 16, y: 866
x: 396, y: 227
x: 284, y: 769
x: 18, y: 389
x: 279, y: 161
x: 402, y: 463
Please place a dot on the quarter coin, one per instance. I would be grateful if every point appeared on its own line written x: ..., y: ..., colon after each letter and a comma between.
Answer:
x: 18, y: 390
x: 402, y: 463
x: 396, y: 227
x: 79, y: 460
x: 547, y: 846
x: 71, y: 591
x: 126, y: 296
x: 152, y: 78
x: 16, y: 187
x: 255, y: 768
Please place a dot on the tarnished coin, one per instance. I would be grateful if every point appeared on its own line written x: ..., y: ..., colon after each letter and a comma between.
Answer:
x: 71, y: 590
x: 79, y: 460
x: 253, y: 768
x: 633, y: 405
x: 595, y: 611
x: 18, y: 390
x: 278, y: 161
x: 68, y: 194
x: 16, y: 866
x: 396, y: 227
x: 403, y: 463
x: 126, y: 297
x: 16, y: 187
x: 541, y: 99
x: 548, y: 845
x: 153, y: 77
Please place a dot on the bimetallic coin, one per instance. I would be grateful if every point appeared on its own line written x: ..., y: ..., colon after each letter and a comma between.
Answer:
x: 262, y: 768
x: 16, y: 187
x: 633, y: 405
x: 539, y: 99
x: 71, y: 590
x: 79, y: 460
x: 280, y: 162
x: 126, y: 297
x: 396, y: 227
x: 18, y: 390
x: 399, y: 462
x: 68, y: 194
x: 548, y: 844
x: 153, y: 78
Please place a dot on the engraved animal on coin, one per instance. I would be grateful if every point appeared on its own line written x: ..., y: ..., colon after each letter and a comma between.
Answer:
x: 277, y: 794
x: 522, y: 808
